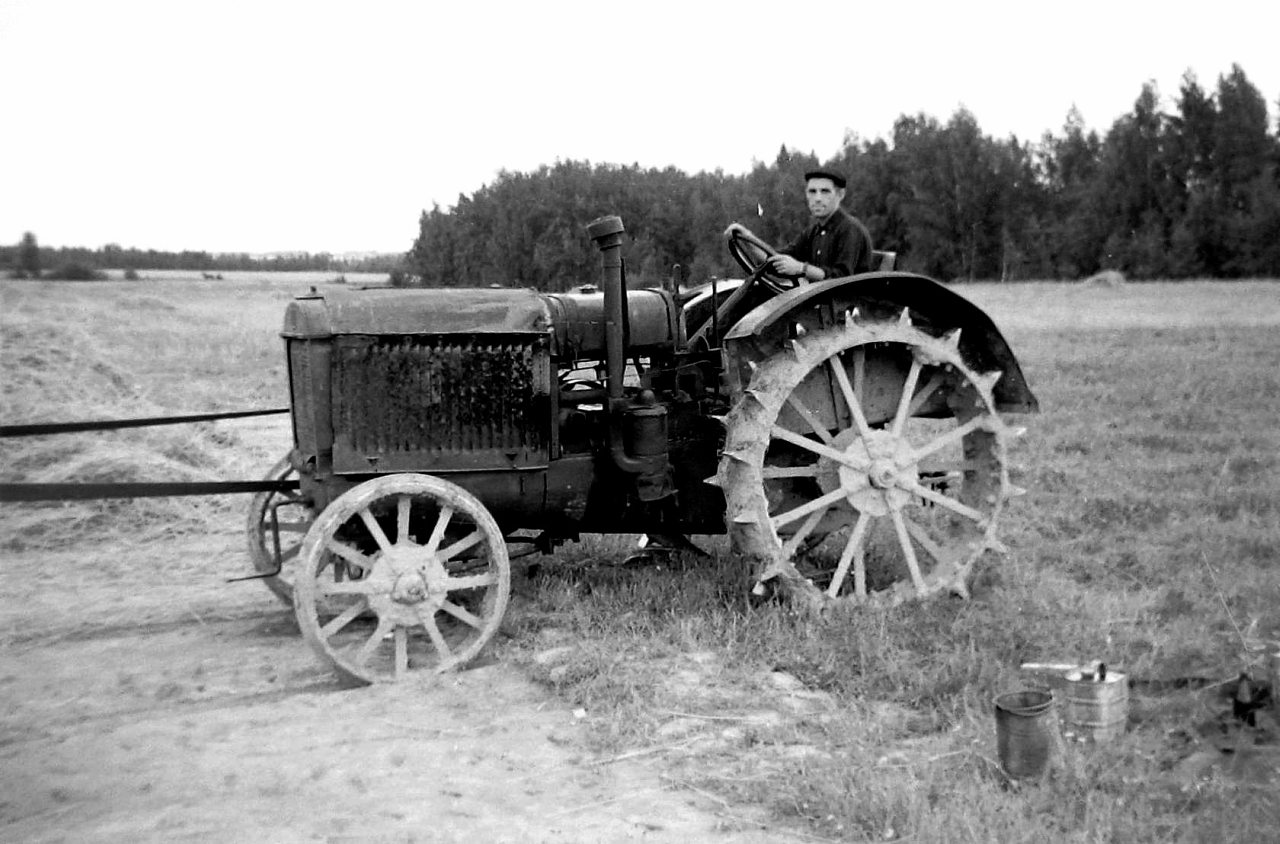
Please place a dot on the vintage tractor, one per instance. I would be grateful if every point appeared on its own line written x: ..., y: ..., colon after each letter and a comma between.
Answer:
x: 847, y: 435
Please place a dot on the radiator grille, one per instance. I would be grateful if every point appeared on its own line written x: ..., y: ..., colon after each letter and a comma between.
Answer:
x: 434, y: 396
x: 304, y: 425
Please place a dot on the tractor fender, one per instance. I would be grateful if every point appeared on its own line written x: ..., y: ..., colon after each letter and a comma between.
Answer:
x: 934, y: 308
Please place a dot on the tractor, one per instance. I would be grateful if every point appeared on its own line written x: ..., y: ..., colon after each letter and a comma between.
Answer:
x: 848, y: 436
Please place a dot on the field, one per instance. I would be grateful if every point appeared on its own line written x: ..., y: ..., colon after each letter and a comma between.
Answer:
x: 150, y: 699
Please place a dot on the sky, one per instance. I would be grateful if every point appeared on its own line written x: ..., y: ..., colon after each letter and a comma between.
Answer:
x: 313, y: 126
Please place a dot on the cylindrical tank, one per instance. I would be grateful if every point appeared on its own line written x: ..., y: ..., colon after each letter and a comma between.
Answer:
x: 578, y: 319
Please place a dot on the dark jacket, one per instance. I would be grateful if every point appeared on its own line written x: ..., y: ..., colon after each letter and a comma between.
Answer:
x: 840, y: 245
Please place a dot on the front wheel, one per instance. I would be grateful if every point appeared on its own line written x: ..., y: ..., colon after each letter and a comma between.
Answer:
x: 403, y: 572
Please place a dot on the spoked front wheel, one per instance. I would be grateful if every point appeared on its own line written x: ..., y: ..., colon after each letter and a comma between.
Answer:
x: 403, y: 572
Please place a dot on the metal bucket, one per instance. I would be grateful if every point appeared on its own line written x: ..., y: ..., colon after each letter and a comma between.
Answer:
x: 1095, y: 705
x: 1025, y: 730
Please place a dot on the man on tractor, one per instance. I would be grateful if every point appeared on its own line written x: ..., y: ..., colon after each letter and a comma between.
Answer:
x: 835, y: 244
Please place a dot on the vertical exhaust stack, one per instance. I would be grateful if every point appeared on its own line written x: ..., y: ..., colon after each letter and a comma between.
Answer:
x: 606, y: 232
x: 637, y: 432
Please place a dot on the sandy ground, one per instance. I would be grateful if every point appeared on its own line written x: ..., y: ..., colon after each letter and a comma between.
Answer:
x: 147, y: 700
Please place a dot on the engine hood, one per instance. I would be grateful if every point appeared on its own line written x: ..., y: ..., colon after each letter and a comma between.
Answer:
x: 395, y: 310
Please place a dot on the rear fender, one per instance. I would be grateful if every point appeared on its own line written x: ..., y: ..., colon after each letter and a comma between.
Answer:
x: 934, y: 309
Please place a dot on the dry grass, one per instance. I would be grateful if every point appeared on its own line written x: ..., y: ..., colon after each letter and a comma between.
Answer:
x: 123, y: 349
x: 1149, y: 539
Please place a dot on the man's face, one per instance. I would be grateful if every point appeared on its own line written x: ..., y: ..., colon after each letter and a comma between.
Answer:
x: 823, y: 196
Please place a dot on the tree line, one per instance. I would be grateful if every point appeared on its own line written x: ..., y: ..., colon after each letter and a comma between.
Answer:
x: 27, y: 259
x: 1191, y: 192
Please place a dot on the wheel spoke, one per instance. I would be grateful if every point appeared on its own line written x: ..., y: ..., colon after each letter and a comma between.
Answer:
x: 344, y: 618
x: 851, y: 392
x: 375, y: 530
x: 944, y: 501
x: 807, y: 415
x: 904, y: 401
x: 770, y: 473
x: 293, y: 527
x: 852, y: 552
x: 375, y: 639
x: 954, y: 435
x: 922, y: 395
x: 349, y: 554
x: 289, y: 553
x: 913, y: 565
x: 461, y: 545
x: 475, y: 581
x: 816, y: 505
x: 403, y: 505
x: 950, y: 476
x: 437, y: 532
x: 428, y: 619
x: 789, y: 547
x: 402, y: 652
x: 345, y: 587
x: 462, y: 614
x: 922, y: 538
x: 781, y: 433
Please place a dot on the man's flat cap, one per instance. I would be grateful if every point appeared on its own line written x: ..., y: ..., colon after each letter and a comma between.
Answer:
x: 836, y: 179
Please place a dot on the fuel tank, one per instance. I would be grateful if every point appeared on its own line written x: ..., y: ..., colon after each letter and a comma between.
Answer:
x: 651, y: 323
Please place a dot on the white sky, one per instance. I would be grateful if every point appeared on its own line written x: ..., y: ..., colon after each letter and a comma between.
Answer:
x: 234, y: 126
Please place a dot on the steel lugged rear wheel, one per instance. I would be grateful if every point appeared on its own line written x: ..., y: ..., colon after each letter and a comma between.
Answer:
x: 403, y: 572
x: 867, y: 464
x: 277, y: 522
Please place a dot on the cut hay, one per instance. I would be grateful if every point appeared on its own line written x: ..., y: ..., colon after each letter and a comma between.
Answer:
x: 57, y: 371
x: 176, y: 454
x: 1105, y: 278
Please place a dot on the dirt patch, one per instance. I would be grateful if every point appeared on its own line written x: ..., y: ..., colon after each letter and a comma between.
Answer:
x: 150, y: 701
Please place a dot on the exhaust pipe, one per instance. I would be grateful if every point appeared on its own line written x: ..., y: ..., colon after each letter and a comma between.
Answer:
x: 606, y: 232
x: 637, y: 432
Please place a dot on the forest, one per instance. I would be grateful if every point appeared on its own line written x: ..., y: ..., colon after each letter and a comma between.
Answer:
x: 1191, y: 192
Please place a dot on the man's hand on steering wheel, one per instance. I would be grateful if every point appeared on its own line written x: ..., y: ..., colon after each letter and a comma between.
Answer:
x: 785, y: 265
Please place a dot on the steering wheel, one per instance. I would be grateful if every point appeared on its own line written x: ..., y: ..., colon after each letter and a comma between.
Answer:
x: 753, y: 254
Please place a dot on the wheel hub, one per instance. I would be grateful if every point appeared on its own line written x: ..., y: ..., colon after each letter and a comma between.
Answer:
x: 409, y: 589
x: 876, y: 489
x: 882, y: 474
x: 411, y: 576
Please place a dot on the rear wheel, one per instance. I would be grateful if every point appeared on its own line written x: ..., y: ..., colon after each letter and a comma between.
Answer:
x: 403, y: 572
x: 867, y: 464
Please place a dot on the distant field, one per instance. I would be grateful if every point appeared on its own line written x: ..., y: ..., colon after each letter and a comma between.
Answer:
x: 299, y: 277
x: 1150, y: 538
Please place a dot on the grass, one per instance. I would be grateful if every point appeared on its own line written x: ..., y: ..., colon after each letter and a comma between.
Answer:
x: 1149, y: 539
